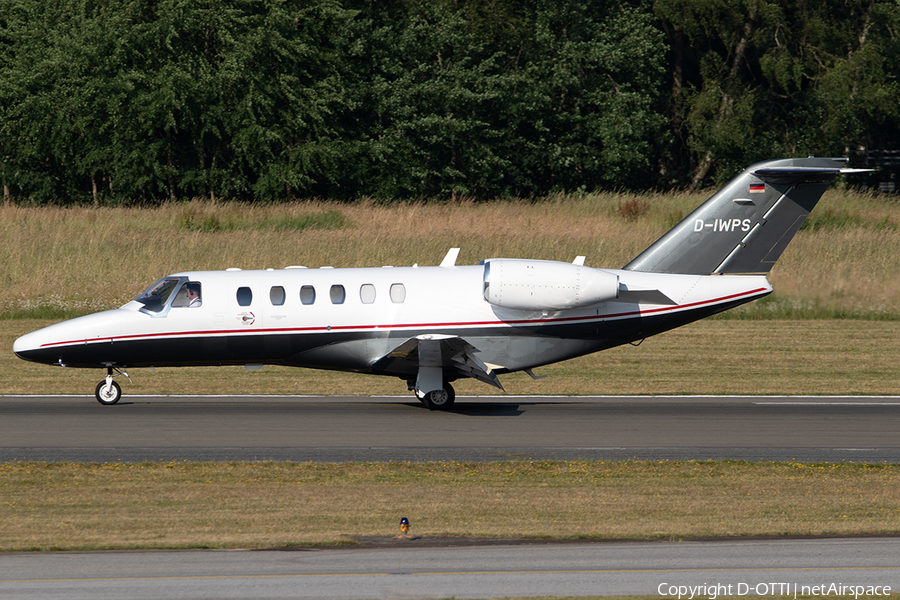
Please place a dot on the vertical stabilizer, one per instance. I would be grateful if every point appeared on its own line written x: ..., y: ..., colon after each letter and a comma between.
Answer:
x: 746, y: 225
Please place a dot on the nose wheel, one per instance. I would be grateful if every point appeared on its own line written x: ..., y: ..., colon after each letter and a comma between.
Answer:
x: 109, y: 392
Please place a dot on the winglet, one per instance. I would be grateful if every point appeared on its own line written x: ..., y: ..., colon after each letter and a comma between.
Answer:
x: 450, y: 259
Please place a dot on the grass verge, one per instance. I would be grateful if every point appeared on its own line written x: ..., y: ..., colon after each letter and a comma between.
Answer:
x: 56, y: 506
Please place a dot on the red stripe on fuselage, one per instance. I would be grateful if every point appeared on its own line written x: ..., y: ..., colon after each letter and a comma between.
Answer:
x: 408, y: 325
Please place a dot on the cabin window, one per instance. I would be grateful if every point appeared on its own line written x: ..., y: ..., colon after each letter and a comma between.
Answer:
x: 367, y: 293
x: 276, y: 295
x: 338, y: 294
x: 189, y: 296
x: 244, y: 296
x: 398, y: 293
x: 307, y: 294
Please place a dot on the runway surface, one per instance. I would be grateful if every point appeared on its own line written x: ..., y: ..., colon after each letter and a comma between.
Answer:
x: 337, y: 428
x: 773, y: 569
x: 483, y: 428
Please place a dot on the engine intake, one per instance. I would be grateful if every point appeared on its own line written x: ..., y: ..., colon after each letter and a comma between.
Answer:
x: 546, y: 285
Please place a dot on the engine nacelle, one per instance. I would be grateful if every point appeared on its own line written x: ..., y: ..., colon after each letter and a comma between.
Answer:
x: 546, y: 285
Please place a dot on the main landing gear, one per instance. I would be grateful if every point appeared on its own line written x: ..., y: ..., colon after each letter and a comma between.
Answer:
x: 438, y: 399
x: 109, y: 392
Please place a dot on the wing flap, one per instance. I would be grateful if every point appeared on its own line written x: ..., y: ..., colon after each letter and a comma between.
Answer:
x: 456, y: 357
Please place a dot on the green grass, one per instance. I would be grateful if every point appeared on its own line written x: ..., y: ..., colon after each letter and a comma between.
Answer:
x: 852, y: 215
x: 782, y: 307
x: 46, y: 312
x: 208, y: 219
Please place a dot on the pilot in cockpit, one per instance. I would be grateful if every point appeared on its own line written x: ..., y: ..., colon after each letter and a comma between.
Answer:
x: 193, y: 294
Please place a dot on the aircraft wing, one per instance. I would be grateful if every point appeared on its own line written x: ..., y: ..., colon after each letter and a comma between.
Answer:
x: 452, y: 353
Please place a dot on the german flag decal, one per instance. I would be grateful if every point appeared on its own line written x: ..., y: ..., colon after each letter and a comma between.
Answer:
x: 757, y: 188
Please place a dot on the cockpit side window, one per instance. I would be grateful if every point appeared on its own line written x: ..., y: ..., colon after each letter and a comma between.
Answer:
x: 189, y: 296
x: 157, y: 295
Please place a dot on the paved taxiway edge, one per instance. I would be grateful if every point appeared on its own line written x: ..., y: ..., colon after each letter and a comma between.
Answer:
x: 422, y: 455
x: 480, y: 572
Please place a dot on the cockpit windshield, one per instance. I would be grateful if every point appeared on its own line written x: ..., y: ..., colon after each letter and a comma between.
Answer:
x: 157, y: 295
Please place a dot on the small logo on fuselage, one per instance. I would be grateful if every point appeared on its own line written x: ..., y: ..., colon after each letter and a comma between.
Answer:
x: 246, y: 318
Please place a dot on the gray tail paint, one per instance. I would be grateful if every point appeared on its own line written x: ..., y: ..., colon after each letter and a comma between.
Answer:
x: 746, y: 225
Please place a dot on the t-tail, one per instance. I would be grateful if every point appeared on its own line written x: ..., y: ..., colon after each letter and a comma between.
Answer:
x: 745, y: 226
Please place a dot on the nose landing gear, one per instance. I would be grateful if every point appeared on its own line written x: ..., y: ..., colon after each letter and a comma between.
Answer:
x: 109, y: 392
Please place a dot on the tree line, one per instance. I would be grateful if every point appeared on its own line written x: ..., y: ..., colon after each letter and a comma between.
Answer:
x: 111, y: 101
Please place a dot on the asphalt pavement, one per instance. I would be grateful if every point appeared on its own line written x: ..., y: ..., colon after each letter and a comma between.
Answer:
x: 337, y: 428
x: 770, y: 568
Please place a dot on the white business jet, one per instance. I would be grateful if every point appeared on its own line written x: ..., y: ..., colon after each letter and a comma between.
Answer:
x: 430, y: 326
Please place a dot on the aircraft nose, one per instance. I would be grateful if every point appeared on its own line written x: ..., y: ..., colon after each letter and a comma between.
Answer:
x: 24, y: 343
x: 28, y: 347
x: 70, y: 342
x: 25, y: 346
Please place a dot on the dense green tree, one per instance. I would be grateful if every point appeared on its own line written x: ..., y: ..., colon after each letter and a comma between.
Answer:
x: 148, y: 100
x: 28, y: 69
x: 753, y: 79
x: 436, y: 96
x: 522, y: 100
x: 162, y: 99
x: 589, y: 113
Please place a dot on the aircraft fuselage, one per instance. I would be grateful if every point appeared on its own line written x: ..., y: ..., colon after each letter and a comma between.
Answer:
x: 349, y: 319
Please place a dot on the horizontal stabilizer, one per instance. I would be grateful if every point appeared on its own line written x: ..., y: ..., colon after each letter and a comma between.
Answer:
x: 796, y: 174
x: 645, y: 297
x: 803, y: 174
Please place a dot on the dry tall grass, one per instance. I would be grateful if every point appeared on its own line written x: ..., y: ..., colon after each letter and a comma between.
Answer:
x: 87, y: 258
x: 70, y: 506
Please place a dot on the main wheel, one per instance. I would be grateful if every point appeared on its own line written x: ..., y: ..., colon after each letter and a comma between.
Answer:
x: 440, y: 399
x: 108, y: 393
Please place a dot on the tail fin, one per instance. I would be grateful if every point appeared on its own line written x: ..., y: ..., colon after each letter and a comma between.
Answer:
x: 746, y: 225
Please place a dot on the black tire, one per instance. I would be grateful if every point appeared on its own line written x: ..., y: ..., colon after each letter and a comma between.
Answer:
x: 108, y: 395
x: 440, y: 399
